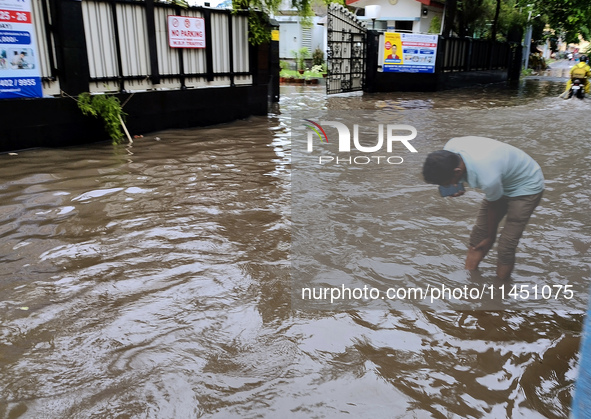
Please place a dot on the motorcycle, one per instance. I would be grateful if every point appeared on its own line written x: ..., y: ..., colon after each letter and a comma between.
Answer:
x: 577, y: 89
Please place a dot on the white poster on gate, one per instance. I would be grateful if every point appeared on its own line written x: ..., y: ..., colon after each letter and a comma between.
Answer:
x: 20, y: 75
x: 409, y: 52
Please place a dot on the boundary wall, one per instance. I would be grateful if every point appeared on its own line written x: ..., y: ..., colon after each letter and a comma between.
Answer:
x: 121, y: 47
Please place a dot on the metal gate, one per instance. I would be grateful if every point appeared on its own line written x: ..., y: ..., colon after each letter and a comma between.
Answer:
x: 346, y: 51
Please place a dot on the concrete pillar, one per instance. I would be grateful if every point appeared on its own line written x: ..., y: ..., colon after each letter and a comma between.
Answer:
x: 70, y: 44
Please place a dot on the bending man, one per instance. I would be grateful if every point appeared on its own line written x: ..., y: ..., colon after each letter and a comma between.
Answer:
x: 513, y: 184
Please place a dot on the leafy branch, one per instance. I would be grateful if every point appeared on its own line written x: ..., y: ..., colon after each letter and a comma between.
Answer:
x: 109, y: 109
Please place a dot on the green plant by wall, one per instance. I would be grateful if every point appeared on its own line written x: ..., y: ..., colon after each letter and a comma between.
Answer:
x: 526, y: 72
x: 258, y: 28
x: 318, y: 57
x: 300, y: 57
x: 108, y: 108
x: 435, y: 26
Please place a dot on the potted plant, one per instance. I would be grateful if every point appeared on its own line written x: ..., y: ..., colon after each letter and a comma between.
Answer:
x: 301, y: 56
x: 318, y: 61
x: 317, y: 71
x: 318, y: 57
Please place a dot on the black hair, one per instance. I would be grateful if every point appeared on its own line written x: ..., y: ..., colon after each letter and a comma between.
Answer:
x: 583, y: 58
x: 439, y: 167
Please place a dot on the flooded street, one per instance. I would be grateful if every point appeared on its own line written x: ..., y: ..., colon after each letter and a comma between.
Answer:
x: 154, y: 280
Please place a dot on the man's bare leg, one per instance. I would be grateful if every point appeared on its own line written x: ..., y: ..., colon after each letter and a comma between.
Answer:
x: 474, y: 257
x: 504, y: 271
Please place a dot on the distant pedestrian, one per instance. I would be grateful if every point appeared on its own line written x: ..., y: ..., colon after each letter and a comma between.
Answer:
x: 513, y: 184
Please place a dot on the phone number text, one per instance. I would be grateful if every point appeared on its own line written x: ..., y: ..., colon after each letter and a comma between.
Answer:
x: 17, y: 82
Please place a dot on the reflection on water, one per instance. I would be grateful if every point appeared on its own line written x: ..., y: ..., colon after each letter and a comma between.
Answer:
x: 154, y: 280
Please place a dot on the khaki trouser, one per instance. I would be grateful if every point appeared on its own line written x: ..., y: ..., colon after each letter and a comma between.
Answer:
x: 518, y: 209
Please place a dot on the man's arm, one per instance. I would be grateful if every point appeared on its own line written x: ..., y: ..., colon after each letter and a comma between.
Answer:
x: 477, y: 253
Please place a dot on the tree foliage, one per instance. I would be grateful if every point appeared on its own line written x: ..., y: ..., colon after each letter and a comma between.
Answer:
x: 490, y: 19
x: 259, y: 12
x: 569, y: 18
x: 507, y: 19
x: 258, y: 17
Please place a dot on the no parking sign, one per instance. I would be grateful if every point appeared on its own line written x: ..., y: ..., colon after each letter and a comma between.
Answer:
x: 186, y: 32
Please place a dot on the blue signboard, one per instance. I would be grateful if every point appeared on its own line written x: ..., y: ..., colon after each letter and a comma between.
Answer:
x: 20, y: 75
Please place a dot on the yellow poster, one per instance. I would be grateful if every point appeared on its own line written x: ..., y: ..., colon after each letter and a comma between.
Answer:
x: 393, y: 48
x: 274, y: 35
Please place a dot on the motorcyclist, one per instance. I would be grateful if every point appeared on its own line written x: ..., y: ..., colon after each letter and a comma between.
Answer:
x: 580, y: 71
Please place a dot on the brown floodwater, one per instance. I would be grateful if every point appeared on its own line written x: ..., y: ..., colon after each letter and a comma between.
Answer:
x: 153, y: 280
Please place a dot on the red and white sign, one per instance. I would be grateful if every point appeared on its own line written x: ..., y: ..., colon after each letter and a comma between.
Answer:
x: 15, y: 16
x: 186, y: 32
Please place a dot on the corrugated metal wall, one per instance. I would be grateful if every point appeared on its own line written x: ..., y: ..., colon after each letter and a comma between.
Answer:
x: 45, y: 50
x: 100, y: 44
x: 119, y: 55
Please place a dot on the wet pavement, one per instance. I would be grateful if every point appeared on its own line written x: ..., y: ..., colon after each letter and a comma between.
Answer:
x: 557, y: 71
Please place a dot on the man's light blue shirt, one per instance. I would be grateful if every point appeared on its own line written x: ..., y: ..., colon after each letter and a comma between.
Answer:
x: 498, y: 169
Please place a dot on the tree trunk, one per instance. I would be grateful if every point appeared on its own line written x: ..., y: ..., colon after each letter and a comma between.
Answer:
x: 496, y: 21
x: 450, y: 14
x: 461, y: 21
